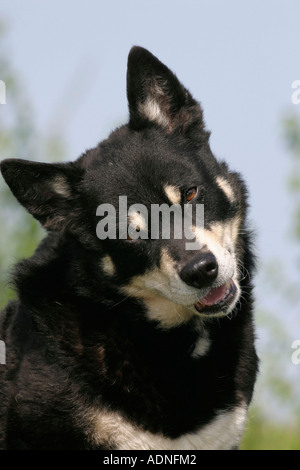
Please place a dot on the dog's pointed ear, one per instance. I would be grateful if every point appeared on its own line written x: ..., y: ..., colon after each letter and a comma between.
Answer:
x: 156, y: 96
x: 48, y: 191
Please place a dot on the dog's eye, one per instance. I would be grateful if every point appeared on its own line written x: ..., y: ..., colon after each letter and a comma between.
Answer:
x: 191, y: 194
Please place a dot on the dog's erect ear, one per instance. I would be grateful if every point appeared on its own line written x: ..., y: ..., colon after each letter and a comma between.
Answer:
x: 155, y: 95
x: 48, y: 191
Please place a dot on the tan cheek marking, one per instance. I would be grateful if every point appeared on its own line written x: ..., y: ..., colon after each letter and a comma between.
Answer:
x: 142, y: 286
x: 167, y: 313
x: 159, y: 308
x: 108, y: 265
x: 151, y: 289
x: 206, y: 237
x: 167, y: 263
x: 225, y: 233
x: 173, y: 193
x: 235, y: 228
x: 226, y: 188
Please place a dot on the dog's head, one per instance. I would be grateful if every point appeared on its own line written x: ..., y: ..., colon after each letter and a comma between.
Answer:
x: 161, y: 158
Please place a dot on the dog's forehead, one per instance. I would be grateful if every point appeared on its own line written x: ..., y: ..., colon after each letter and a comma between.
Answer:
x: 140, y: 161
x: 151, y: 168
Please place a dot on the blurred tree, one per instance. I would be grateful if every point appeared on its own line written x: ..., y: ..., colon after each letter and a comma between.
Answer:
x: 291, y: 126
x: 279, y: 382
x: 20, y: 233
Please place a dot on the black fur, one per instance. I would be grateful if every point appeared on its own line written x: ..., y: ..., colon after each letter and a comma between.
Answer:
x: 73, y: 340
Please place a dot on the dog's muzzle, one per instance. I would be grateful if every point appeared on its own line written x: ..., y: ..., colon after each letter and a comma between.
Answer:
x: 202, y: 272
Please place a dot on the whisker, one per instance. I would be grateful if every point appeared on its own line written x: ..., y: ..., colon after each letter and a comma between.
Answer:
x: 117, y: 303
x: 243, y: 271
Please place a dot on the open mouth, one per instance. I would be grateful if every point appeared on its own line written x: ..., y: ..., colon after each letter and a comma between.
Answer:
x: 218, y: 298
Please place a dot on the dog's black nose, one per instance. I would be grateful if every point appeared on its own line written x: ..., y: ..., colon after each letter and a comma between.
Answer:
x: 201, y: 271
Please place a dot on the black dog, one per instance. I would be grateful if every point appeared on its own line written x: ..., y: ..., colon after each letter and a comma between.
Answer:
x: 130, y: 342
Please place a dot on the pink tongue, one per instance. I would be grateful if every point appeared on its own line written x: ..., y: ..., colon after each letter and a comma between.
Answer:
x: 216, y: 294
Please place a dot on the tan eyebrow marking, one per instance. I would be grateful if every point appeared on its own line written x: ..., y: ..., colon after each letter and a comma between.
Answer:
x: 173, y: 193
x: 226, y: 188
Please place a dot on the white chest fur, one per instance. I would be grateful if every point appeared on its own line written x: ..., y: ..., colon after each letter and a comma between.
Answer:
x: 223, y: 432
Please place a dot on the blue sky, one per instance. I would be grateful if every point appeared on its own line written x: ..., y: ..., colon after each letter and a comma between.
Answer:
x: 238, y: 58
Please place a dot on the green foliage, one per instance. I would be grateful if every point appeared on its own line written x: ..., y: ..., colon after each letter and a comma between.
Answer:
x: 20, y: 233
x: 291, y: 127
x: 278, y: 384
x: 267, y: 435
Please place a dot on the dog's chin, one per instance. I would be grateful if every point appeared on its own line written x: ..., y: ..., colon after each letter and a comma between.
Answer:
x: 220, y: 301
